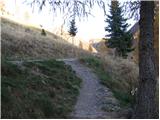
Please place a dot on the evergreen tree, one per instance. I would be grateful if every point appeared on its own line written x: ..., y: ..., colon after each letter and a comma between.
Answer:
x: 73, y: 29
x: 119, y: 38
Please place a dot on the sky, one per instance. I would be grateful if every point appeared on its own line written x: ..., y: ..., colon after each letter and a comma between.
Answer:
x: 88, y: 28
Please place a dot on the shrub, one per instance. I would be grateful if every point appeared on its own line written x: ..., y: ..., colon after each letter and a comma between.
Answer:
x: 43, y: 32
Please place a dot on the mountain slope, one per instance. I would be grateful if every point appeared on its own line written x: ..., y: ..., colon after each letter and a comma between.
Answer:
x: 22, y: 42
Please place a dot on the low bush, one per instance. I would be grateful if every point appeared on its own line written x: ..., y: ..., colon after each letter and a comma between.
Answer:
x: 43, y: 32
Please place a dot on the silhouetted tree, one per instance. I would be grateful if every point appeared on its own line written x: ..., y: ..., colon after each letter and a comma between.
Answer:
x: 73, y: 29
x: 146, y: 96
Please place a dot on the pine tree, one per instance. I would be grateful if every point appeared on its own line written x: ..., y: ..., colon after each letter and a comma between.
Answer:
x: 119, y: 38
x: 73, y: 29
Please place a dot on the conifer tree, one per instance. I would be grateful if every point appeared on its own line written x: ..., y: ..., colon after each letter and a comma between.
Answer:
x: 73, y: 29
x: 119, y: 38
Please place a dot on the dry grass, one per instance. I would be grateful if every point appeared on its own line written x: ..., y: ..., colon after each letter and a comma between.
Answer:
x: 77, y: 41
x: 123, y: 71
x: 125, y: 76
x: 22, y: 42
x: 120, y: 75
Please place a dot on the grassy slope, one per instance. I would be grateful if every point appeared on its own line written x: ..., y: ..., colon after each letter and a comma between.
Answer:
x: 24, y: 42
x: 38, y: 90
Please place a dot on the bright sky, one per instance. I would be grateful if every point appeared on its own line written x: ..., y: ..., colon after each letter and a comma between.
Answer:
x: 87, y: 29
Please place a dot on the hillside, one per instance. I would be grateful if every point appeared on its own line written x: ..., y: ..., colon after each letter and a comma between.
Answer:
x: 36, y: 89
x: 46, y: 89
x: 25, y: 42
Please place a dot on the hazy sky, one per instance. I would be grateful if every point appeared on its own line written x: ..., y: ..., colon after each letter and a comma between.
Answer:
x: 92, y: 27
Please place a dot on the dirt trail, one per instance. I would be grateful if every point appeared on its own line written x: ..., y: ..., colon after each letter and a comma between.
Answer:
x: 95, y: 100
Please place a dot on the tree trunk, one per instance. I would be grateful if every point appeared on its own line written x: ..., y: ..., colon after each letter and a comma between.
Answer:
x: 145, y: 104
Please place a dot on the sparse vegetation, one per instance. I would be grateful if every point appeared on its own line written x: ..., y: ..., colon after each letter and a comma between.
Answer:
x: 45, y: 89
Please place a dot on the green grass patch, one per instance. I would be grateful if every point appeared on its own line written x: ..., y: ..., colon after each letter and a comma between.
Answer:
x: 45, y: 89
x: 106, y: 79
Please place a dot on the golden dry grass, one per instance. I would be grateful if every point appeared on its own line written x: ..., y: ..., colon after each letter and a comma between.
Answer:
x: 125, y: 74
x: 22, y: 42
x: 122, y: 71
